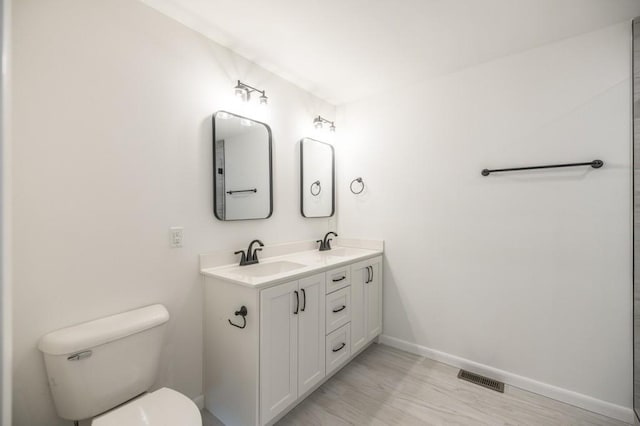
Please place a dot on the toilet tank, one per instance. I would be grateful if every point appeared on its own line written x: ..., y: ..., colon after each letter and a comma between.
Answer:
x: 95, y: 366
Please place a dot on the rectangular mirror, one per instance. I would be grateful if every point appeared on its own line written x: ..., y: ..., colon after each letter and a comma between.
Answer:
x: 317, y: 187
x: 242, y: 178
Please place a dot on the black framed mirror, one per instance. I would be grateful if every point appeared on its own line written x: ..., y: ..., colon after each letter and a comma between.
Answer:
x: 317, y: 178
x: 242, y: 168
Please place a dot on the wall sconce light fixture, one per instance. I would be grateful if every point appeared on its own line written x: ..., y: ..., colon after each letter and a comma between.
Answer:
x: 243, y: 92
x: 318, y: 122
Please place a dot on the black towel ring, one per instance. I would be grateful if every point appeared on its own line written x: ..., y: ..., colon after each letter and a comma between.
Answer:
x: 243, y: 312
x: 359, y: 180
x: 315, y: 194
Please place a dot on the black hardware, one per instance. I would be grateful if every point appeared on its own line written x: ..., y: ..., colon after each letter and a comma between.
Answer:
x: 243, y: 259
x: 339, y: 347
x: 335, y: 311
x: 242, y: 190
x: 255, y: 254
x: 243, y: 312
x: 304, y: 300
x: 335, y: 280
x: 369, y: 274
x: 319, y: 188
x: 80, y: 355
x: 359, y: 180
x: 596, y: 164
x: 251, y: 256
x: 325, y: 244
x: 297, y: 303
x: 220, y: 171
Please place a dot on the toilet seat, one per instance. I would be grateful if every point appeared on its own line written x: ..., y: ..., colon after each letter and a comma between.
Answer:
x: 164, y: 407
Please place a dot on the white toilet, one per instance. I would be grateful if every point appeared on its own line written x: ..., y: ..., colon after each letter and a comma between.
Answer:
x: 111, y: 362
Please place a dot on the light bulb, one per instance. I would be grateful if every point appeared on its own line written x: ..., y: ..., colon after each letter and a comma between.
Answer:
x: 242, y: 93
x: 317, y: 123
x: 263, y: 99
x: 332, y: 128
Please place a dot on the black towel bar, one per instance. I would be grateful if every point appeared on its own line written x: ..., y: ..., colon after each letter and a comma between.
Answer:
x: 596, y: 164
x: 243, y: 190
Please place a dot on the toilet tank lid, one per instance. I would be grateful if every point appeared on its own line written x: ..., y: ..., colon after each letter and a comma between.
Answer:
x: 98, y: 332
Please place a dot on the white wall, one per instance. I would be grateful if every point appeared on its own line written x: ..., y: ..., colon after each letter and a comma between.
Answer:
x: 112, y: 112
x: 526, y: 272
x: 5, y: 220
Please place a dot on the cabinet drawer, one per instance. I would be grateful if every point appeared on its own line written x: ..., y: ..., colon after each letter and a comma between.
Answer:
x: 338, y: 278
x: 338, y: 309
x: 338, y: 347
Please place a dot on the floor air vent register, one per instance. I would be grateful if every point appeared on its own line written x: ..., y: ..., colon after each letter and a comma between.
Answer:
x: 481, y: 381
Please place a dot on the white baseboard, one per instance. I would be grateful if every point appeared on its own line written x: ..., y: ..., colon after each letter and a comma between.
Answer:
x: 199, y: 400
x: 615, y: 411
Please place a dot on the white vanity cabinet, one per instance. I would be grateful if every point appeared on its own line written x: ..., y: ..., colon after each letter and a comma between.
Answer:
x: 298, y: 333
x: 292, y: 342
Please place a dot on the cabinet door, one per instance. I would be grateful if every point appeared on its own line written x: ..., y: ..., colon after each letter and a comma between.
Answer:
x: 359, y: 275
x: 278, y: 349
x: 373, y: 300
x: 311, y: 332
x: 366, y: 302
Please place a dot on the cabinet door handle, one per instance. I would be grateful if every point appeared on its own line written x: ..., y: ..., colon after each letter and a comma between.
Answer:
x: 368, y: 276
x: 342, y: 308
x: 304, y: 300
x: 297, y: 302
x: 335, y: 280
x: 339, y: 348
x: 371, y: 267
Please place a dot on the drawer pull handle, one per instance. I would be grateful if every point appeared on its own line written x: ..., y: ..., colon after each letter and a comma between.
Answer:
x: 335, y: 280
x: 339, y: 348
x: 342, y: 308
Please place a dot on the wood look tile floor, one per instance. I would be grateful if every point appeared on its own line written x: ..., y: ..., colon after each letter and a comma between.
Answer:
x: 385, y: 386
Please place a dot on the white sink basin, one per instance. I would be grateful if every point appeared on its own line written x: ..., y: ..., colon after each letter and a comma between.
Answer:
x: 266, y: 269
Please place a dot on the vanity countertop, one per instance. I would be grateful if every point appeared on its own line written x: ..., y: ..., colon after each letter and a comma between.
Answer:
x: 289, y: 267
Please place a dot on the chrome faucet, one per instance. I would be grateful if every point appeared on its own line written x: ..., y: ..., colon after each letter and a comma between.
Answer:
x: 249, y: 258
x: 325, y: 244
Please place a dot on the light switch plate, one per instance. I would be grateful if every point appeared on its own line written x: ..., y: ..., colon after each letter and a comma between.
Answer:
x: 175, y: 236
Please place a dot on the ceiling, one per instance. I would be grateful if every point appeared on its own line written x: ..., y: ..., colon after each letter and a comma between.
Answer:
x: 344, y: 50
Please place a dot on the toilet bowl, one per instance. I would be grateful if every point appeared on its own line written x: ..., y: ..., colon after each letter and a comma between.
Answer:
x: 162, y: 407
x: 103, y: 370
